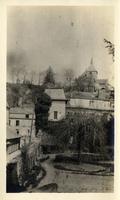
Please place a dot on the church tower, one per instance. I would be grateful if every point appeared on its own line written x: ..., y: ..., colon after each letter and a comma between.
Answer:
x: 91, y: 72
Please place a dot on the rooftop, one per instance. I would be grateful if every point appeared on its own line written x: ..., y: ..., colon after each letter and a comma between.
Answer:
x: 91, y: 68
x: 82, y: 95
x: 56, y: 94
x: 12, y: 133
x: 24, y: 109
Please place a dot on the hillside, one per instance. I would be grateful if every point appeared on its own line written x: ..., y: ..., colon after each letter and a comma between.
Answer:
x: 18, y: 94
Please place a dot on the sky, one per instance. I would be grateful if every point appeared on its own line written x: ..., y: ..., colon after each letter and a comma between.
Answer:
x: 61, y: 37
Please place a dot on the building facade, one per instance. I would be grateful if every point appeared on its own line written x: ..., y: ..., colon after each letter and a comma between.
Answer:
x: 23, y: 120
x: 58, y: 107
x: 89, y: 105
x: 14, y: 162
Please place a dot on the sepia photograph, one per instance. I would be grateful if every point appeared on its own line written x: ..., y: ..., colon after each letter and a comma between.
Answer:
x: 60, y: 99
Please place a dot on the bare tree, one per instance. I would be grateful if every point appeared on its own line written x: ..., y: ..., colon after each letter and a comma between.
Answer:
x: 32, y: 76
x: 24, y: 74
x: 49, y: 79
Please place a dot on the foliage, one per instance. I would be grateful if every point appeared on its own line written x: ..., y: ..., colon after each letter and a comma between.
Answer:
x: 69, y: 75
x: 110, y: 47
x: 36, y: 92
x: 13, y: 94
x: 88, y: 132
x: 27, y: 92
x: 92, y: 131
x: 42, y: 106
x: 84, y: 84
x: 49, y: 79
x: 25, y: 167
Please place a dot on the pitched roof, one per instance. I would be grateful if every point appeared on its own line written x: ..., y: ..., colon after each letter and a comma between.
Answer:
x: 25, y: 110
x: 91, y: 68
x: 56, y: 94
x: 12, y: 133
x: 82, y: 95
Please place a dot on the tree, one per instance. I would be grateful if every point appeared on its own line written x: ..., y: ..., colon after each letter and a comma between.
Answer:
x: 89, y: 132
x: 36, y: 91
x: 69, y: 75
x: 49, y: 79
x: 13, y: 95
x: 32, y: 73
x: 24, y: 159
x: 110, y: 47
x: 42, y: 107
x: 79, y: 84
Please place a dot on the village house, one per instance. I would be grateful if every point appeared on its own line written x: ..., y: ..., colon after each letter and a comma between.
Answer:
x: 13, y: 154
x: 23, y: 120
x: 58, y: 107
x: 14, y: 136
x: 13, y: 158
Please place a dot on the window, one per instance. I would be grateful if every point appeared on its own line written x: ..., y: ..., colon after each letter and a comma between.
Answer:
x: 17, y: 122
x: 17, y: 131
x: 91, y: 102
x: 55, y: 114
x: 27, y: 116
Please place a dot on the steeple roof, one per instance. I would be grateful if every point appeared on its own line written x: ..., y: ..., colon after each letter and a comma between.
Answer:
x: 91, y: 68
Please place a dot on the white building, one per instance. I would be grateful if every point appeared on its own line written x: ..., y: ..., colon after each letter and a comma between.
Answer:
x: 13, y: 158
x: 77, y: 104
x: 58, y: 107
x: 23, y: 120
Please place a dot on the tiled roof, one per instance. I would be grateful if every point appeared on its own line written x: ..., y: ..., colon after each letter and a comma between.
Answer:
x: 82, y: 95
x: 56, y: 94
x: 12, y: 133
x: 25, y: 110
